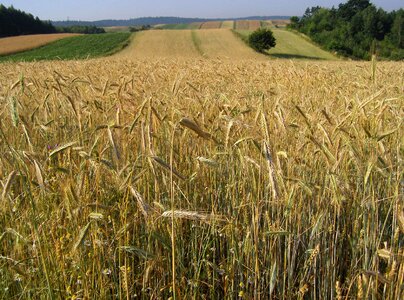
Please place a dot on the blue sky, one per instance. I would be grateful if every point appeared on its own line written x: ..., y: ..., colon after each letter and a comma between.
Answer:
x: 124, y: 9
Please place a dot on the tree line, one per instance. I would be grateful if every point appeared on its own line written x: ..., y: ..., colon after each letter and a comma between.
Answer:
x: 80, y: 29
x: 355, y: 29
x: 157, y: 20
x: 15, y: 22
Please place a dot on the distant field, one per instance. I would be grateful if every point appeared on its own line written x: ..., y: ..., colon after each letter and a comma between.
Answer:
x: 267, y: 24
x: 280, y: 22
x: 254, y: 24
x: 219, y: 43
x: 211, y: 25
x: 160, y: 44
x: 174, y: 26
x: 195, y: 25
x: 117, y: 29
x: 242, y: 25
x: 179, y: 44
x: 77, y: 47
x: 227, y: 25
x: 247, y: 24
x: 291, y: 45
x: 21, y: 43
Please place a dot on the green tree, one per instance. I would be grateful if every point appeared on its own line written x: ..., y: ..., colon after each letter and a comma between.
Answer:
x: 353, y: 27
x: 16, y: 22
x: 347, y: 10
x: 262, y: 39
x: 397, y: 30
x: 294, y: 22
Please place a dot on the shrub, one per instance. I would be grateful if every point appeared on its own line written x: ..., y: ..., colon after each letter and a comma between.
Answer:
x: 262, y: 39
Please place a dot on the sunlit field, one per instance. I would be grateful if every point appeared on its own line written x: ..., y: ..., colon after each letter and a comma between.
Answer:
x: 201, y: 179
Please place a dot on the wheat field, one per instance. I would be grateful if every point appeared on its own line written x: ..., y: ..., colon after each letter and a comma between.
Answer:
x: 211, y: 25
x: 224, y: 44
x: 200, y: 179
x: 247, y: 24
x: 227, y: 25
x: 220, y: 44
x: 160, y: 44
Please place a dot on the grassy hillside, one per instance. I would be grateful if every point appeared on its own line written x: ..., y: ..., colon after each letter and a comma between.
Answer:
x: 79, y: 47
x: 290, y: 45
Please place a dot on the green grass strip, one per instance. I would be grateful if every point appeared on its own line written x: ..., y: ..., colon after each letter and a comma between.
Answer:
x: 197, y: 42
x: 243, y: 35
x: 289, y: 45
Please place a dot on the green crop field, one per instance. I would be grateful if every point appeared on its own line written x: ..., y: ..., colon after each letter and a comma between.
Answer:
x: 79, y: 47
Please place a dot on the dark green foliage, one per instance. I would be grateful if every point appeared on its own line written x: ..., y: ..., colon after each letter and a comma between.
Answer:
x: 294, y: 22
x: 78, y: 47
x: 351, y: 29
x: 139, y: 28
x: 261, y: 40
x: 348, y: 10
x: 158, y: 20
x: 80, y: 29
x: 15, y: 22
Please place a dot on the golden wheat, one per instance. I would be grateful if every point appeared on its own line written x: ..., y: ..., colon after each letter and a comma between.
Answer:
x: 201, y: 179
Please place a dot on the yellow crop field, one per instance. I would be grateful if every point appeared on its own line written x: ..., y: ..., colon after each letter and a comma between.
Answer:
x: 156, y: 175
x: 211, y: 25
x: 180, y: 44
x: 118, y: 28
x: 195, y: 25
x: 21, y: 43
x: 227, y: 25
x: 248, y: 24
x: 268, y: 23
x: 242, y: 25
x: 254, y: 24
x: 220, y: 43
x: 280, y: 22
x: 161, y: 44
